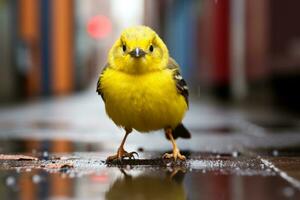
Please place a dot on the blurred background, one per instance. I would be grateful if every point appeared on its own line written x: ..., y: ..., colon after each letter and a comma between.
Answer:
x: 241, y: 59
x: 239, y: 51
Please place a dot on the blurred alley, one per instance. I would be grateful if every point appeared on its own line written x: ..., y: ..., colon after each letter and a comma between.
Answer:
x: 241, y: 59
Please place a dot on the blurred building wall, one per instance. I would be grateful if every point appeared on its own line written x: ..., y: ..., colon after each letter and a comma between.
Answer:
x: 257, y: 40
x: 39, y: 48
x: 63, y: 46
x: 214, y: 45
x: 258, y: 53
x: 285, y: 52
x: 56, y: 47
x: 237, y: 49
x: 7, y: 72
x: 29, y: 35
x: 180, y: 32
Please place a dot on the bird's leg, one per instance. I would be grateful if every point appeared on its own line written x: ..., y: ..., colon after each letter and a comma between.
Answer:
x: 176, y: 152
x: 121, y: 153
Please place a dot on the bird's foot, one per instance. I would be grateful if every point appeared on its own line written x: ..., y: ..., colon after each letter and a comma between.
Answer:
x: 121, y: 154
x: 176, y: 154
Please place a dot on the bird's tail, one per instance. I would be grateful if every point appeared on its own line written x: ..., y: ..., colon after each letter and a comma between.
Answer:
x: 181, y: 131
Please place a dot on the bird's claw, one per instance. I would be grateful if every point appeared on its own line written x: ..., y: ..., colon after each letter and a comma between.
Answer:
x: 129, y: 155
x: 122, y: 154
x: 176, y: 154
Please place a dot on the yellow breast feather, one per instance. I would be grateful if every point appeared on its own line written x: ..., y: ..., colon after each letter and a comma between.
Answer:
x: 144, y: 102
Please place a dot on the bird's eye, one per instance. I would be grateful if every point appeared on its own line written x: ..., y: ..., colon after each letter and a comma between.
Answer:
x: 151, y: 48
x: 124, y: 47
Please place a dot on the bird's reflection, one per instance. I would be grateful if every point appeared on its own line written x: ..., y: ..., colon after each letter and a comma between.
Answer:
x: 168, y: 185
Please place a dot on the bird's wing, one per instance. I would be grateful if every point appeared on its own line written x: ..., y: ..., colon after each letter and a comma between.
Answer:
x: 98, y: 89
x: 181, y: 85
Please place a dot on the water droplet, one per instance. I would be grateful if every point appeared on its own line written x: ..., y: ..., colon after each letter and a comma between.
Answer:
x: 235, y: 154
x: 10, y: 181
x: 18, y: 169
x: 45, y: 154
x: 218, y: 156
x: 36, y: 178
x: 288, y: 191
x: 275, y: 153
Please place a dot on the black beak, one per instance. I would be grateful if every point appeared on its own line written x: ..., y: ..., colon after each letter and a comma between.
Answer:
x: 137, y: 53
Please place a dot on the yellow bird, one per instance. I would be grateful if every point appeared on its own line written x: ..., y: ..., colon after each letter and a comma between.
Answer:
x: 142, y: 88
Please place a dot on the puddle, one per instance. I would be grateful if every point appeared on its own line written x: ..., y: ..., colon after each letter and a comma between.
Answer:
x: 86, y: 175
x: 136, y: 183
x: 77, y: 170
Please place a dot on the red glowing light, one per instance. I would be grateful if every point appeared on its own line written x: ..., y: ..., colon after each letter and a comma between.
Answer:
x: 99, y: 27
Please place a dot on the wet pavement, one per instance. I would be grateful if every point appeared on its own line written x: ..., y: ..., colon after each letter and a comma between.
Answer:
x: 62, y: 145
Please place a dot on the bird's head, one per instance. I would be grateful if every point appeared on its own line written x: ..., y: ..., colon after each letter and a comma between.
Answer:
x: 138, y: 50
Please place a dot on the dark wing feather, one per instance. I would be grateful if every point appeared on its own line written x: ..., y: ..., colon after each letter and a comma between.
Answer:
x: 181, y: 85
x: 98, y: 89
x: 180, y: 131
